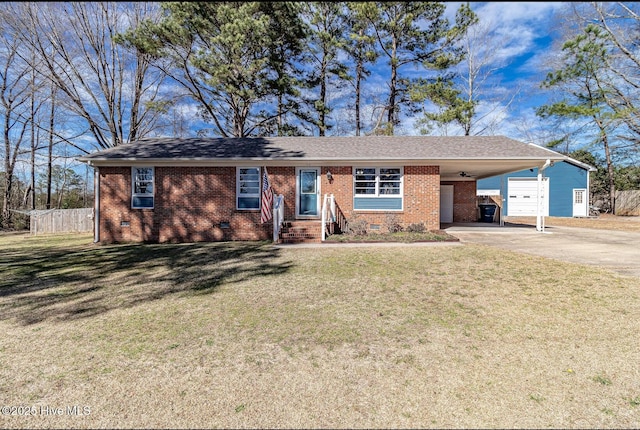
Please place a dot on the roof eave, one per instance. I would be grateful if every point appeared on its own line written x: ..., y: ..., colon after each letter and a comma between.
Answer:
x: 236, y: 161
x: 585, y: 166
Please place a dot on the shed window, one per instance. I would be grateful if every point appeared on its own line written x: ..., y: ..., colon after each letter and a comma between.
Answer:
x: 142, y: 184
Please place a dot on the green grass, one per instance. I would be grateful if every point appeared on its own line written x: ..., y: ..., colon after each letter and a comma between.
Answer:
x: 251, y: 335
x: 602, y: 379
x: 634, y: 401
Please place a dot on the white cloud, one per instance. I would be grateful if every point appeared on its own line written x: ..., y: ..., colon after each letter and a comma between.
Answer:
x: 508, y: 13
x: 517, y: 24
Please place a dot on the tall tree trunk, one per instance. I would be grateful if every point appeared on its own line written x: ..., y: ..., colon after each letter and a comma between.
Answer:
x: 32, y: 187
x: 359, y: 71
x: 322, y: 120
x: 85, y: 185
x: 610, y: 173
x: 50, y: 152
x: 393, y: 80
x: 60, y: 190
x: 280, y: 114
x: 610, y: 169
x: 9, y: 165
x: 8, y: 175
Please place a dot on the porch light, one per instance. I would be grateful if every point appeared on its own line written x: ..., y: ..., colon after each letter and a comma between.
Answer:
x: 329, y: 176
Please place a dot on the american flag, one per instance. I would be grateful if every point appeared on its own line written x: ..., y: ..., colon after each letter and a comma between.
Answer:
x: 267, y: 198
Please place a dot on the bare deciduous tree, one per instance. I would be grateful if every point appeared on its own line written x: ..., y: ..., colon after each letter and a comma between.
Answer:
x: 619, y: 23
x: 105, y: 83
x: 478, y: 83
x: 14, y: 101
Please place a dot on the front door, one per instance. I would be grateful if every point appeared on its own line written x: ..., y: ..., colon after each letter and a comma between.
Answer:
x: 308, y: 192
x: 579, y: 202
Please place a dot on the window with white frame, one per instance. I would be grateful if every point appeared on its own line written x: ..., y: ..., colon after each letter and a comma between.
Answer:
x: 378, y: 181
x: 248, y: 188
x: 365, y: 181
x: 378, y: 188
x: 142, y: 187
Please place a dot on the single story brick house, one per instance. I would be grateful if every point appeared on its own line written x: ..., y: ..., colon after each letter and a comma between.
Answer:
x: 209, y: 189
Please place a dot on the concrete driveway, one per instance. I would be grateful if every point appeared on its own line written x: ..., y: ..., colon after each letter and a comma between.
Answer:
x: 618, y: 251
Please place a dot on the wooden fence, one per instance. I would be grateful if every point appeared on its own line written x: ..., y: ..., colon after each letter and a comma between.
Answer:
x: 62, y: 221
x: 628, y: 202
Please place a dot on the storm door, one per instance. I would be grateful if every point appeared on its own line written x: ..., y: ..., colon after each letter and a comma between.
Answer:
x: 308, y: 192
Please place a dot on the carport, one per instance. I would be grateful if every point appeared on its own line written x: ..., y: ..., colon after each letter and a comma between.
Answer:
x: 473, y: 170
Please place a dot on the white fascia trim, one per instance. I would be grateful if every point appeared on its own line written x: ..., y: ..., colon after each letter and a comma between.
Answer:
x: 249, y: 162
x: 302, y: 162
x: 577, y: 163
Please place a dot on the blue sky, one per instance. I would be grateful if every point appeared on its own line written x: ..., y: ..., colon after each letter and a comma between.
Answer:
x: 520, y: 35
x: 524, y: 32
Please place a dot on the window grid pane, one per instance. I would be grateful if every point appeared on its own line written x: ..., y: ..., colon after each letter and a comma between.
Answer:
x: 248, y: 191
x: 143, y: 180
x: 375, y: 182
x: 142, y: 193
x: 365, y: 181
x: 389, y: 181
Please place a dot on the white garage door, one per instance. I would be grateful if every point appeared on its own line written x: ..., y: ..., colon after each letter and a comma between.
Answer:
x: 522, y: 197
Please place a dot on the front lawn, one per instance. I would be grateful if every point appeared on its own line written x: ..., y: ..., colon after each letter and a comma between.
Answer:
x: 248, y: 335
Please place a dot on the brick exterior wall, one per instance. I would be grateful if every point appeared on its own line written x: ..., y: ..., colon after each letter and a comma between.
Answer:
x: 465, y: 205
x: 421, y: 197
x: 192, y: 203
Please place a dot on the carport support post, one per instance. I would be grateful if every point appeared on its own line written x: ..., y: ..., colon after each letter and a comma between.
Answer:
x: 502, y: 200
x: 540, y: 209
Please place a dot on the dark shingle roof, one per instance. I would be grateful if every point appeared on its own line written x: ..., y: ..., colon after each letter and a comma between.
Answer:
x: 292, y: 149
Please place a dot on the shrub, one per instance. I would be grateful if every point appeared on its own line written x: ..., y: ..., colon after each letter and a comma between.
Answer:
x: 356, y: 226
x: 392, y: 224
x: 416, y: 228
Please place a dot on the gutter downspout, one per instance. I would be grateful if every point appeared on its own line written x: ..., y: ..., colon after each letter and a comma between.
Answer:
x: 96, y: 204
x: 539, y: 211
x: 588, y: 193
